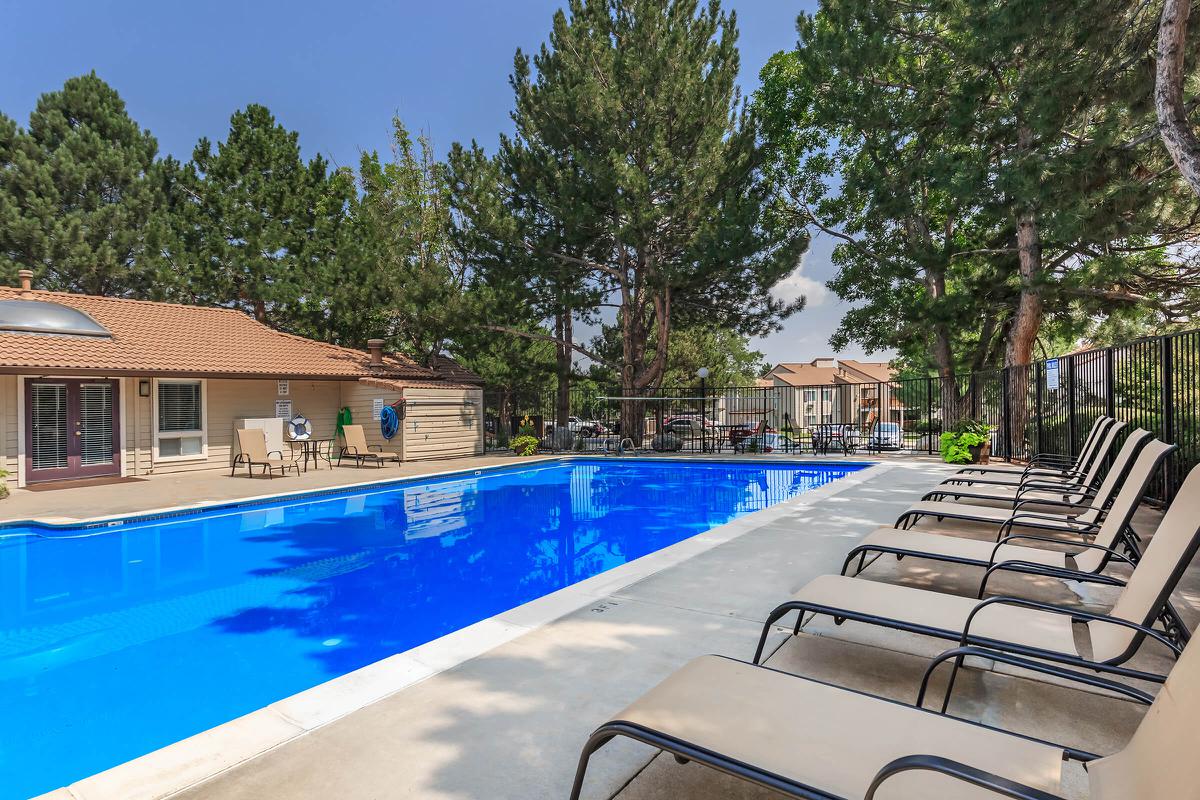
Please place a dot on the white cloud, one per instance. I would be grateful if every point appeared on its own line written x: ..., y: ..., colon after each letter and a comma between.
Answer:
x: 798, y: 284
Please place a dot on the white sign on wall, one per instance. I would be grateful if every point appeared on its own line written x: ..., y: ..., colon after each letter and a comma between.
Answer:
x: 283, y: 388
x: 283, y: 409
x: 1052, y: 374
x: 377, y: 407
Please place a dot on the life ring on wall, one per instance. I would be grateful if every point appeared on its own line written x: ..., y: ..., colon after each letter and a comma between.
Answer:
x: 389, y: 421
x: 299, y: 428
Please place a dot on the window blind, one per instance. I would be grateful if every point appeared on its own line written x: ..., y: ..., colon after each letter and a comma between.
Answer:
x: 179, y: 406
x: 96, y: 423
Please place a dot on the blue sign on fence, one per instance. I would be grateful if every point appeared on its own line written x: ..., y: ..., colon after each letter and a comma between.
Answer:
x: 1052, y: 374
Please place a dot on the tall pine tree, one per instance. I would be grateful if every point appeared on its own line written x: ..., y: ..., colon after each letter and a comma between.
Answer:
x: 631, y: 148
x: 77, y: 193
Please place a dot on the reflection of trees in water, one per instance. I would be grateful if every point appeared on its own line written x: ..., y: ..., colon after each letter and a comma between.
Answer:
x: 383, y: 572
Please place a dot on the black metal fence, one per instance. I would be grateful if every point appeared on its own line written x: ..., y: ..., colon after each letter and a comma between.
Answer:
x: 1048, y: 406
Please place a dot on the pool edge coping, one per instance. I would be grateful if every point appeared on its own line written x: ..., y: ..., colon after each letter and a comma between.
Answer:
x: 190, y: 762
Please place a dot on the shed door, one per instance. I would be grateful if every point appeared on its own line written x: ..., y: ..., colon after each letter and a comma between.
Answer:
x: 72, y: 429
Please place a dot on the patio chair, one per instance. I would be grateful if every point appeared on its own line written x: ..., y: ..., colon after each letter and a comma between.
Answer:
x: 356, y: 447
x: 1056, y: 514
x: 1114, y: 540
x: 252, y: 444
x: 1073, y: 489
x: 1092, y: 454
x: 813, y: 740
x: 1028, y: 628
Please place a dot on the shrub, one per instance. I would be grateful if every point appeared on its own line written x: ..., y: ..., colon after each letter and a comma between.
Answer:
x: 3, y: 484
x: 956, y: 444
x: 524, y: 445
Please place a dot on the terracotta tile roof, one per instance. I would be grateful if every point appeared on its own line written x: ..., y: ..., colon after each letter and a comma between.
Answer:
x: 400, y: 384
x: 451, y: 370
x: 156, y: 338
x: 876, y: 370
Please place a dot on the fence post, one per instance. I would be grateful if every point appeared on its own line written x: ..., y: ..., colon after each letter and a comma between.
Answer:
x: 1070, y: 406
x: 1006, y: 412
x: 929, y: 414
x: 1168, y: 412
x: 1037, y: 410
x: 1110, y: 393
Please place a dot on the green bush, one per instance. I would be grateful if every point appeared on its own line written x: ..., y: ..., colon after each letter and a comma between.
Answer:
x: 524, y: 445
x: 3, y: 484
x: 956, y: 444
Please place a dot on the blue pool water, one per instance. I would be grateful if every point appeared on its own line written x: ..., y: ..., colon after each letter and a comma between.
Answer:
x: 119, y: 640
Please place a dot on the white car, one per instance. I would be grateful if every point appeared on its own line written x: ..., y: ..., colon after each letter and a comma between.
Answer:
x: 585, y: 427
x: 886, y: 436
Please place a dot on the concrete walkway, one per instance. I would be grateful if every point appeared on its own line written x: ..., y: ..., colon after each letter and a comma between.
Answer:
x: 202, y: 487
x: 509, y: 723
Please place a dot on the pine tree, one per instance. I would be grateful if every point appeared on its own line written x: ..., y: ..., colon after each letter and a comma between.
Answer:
x: 631, y: 149
x: 77, y: 193
x: 258, y: 228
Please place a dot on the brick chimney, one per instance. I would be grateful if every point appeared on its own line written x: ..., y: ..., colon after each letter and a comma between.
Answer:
x: 26, y: 277
x: 375, y: 348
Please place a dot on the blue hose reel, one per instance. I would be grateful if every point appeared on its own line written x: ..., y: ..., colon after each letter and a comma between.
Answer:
x: 389, y: 421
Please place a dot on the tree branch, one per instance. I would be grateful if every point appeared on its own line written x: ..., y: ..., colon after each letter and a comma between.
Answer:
x: 545, y: 337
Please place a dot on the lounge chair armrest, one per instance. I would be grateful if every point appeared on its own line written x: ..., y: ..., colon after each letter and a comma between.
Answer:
x: 1002, y: 787
x: 1048, y: 485
x: 1084, y: 528
x: 1087, y: 679
x: 1041, y: 501
x: 277, y: 452
x: 1052, y: 458
x: 1032, y: 538
x: 1035, y: 568
x: 1075, y: 614
x: 349, y: 450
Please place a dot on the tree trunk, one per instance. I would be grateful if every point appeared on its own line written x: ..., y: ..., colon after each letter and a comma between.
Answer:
x: 564, y: 328
x: 1018, y: 351
x: 1170, y: 72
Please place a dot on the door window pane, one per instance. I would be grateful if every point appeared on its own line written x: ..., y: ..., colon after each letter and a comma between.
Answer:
x: 48, y: 416
x: 95, y: 423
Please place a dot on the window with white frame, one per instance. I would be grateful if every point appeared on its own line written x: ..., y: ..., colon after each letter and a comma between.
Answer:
x: 810, y: 395
x: 180, y: 419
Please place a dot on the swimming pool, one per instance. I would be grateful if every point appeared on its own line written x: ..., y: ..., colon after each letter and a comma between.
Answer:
x: 118, y: 640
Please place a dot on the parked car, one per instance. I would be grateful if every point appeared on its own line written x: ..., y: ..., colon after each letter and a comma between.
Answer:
x: 886, y: 436
x: 586, y: 427
x: 689, y: 425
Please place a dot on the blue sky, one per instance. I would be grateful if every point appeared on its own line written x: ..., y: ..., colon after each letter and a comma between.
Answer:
x: 336, y: 73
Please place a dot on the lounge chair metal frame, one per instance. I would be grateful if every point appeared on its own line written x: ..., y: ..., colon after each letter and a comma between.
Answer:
x: 1020, y: 515
x: 374, y: 452
x: 686, y: 751
x: 1126, y: 536
x: 1059, y: 465
x: 1075, y: 488
x: 269, y: 467
x: 1157, y: 609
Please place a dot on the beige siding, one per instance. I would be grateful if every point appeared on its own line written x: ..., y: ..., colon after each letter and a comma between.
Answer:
x: 359, y: 398
x: 439, y: 423
x: 227, y: 400
x: 10, y: 459
x: 442, y: 423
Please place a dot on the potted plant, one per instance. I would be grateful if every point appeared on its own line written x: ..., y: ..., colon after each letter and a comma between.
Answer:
x: 524, y: 445
x: 969, y: 443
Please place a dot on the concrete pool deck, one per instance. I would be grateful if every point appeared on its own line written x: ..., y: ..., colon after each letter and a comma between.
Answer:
x: 502, y: 709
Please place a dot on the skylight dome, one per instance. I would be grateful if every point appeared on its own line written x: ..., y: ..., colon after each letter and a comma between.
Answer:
x: 40, y: 316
